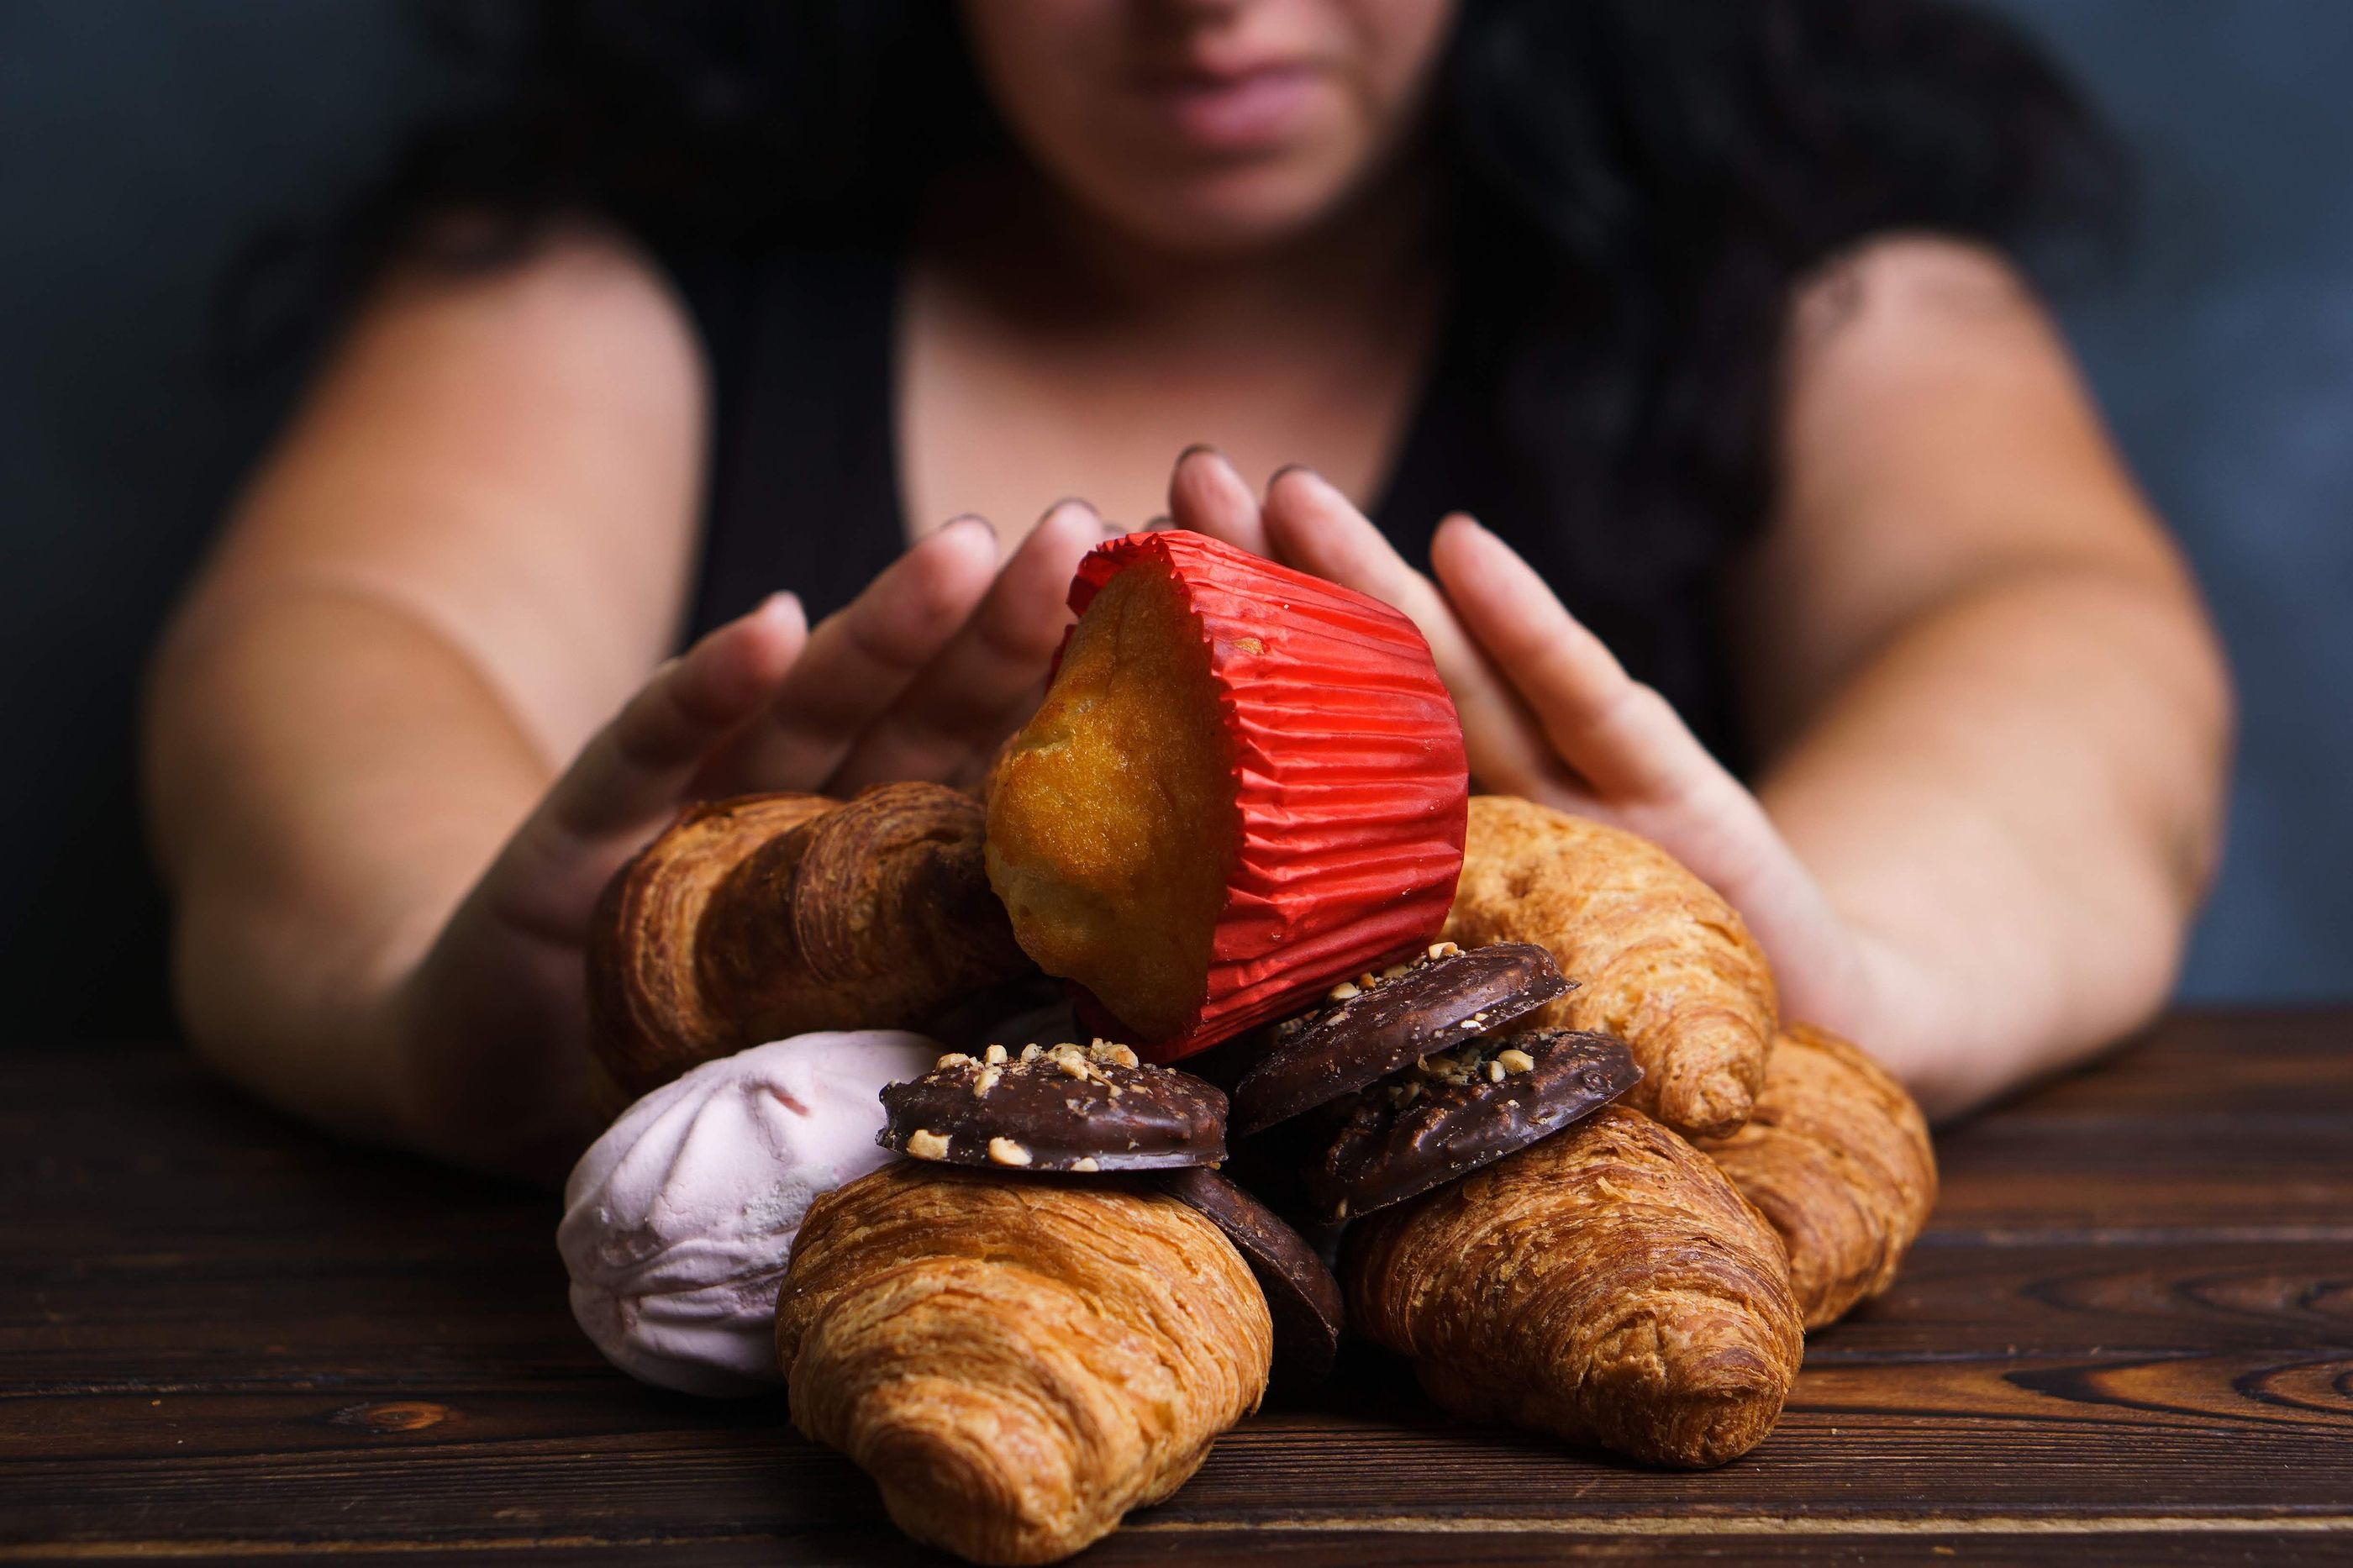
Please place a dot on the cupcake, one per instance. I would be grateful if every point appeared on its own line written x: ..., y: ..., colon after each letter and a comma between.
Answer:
x: 1244, y: 784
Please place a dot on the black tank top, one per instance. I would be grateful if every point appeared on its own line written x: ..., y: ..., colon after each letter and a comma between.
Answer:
x: 803, y: 483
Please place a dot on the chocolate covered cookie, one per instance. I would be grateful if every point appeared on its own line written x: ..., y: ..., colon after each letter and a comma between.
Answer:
x: 1451, y: 1113
x: 1063, y: 1107
x: 1378, y: 1023
x: 1301, y: 1293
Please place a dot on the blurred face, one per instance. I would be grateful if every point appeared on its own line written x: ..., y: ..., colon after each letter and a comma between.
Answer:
x: 1208, y: 126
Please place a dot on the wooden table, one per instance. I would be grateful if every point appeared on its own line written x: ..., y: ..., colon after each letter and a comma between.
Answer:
x: 2126, y: 1337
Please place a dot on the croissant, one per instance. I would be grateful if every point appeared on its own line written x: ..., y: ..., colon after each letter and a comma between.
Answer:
x: 1660, y: 961
x: 767, y: 916
x: 1837, y: 1156
x: 1607, y: 1285
x: 1017, y: 1363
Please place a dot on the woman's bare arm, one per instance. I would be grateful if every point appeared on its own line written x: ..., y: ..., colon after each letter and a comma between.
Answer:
x: 1997, y: 718
x: 466, y: 552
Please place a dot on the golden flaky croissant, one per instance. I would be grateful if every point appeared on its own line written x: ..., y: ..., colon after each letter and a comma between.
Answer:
x: 1837, y: 1156
x: 1017, y: 1363
x: 1660, y: 961
x: 1607, y: 1285
x: 772, y: 915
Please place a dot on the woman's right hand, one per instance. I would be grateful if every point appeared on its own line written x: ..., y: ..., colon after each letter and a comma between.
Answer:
x: 922, y: 676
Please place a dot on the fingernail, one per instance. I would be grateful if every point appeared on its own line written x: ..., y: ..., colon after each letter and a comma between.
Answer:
x: 964, y: 519
x: 781, y: 607
x: 1277, y: 477
x: 1055, y: 510
x: 1224, y: 464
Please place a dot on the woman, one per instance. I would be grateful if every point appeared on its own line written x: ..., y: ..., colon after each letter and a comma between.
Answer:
x: 1698, y: 309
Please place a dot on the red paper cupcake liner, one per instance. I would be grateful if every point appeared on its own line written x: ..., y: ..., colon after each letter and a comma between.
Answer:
x: 1350, y: 772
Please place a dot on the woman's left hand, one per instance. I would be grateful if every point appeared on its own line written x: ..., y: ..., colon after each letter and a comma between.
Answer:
x: 1549, y: 714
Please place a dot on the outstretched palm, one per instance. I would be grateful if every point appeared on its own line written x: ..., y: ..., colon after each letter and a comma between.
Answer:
x: 1548, y: 713
x: 921, y: 677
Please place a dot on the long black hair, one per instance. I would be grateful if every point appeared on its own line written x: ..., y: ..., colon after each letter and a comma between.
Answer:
x: 1638, y: 185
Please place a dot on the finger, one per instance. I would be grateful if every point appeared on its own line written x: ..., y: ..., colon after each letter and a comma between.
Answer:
x: 859, y: 659
x: 1311, y: 525
x: 970, y: 695
x: 1206, y: 495
x: 632, y: 774
x: 1621, y: 735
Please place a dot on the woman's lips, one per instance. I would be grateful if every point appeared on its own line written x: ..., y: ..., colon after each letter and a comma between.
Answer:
x: 1238, y: 112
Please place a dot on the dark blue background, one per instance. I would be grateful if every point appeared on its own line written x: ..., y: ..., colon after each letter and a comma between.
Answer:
x: 2225, y: 362
x: 141, y: 143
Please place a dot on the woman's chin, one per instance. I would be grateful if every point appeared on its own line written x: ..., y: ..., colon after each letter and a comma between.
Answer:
x: 1225, y: 217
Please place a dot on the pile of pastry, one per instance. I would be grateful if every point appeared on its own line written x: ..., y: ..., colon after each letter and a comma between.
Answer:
x: 1022, y: 1138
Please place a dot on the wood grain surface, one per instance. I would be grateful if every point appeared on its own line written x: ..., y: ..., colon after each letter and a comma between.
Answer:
x: 2126, y: 1337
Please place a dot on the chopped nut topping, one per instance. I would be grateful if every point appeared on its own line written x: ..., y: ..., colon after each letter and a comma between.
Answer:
x: 1109, y: 1051
x: 994, y: 1056
x: 953, y: 1059
x: 1085, y: 1165
x: 986, y: 1081
x: 1070, y: 1065
x: 1474, y: 1059
x: 1371, y: 980
x: 926, y: 1144
x: 1005, y: 1152
x: 1031, y: 1052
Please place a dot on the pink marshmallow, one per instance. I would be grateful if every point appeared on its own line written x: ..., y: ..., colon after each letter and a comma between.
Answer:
x: 677, y: 1222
